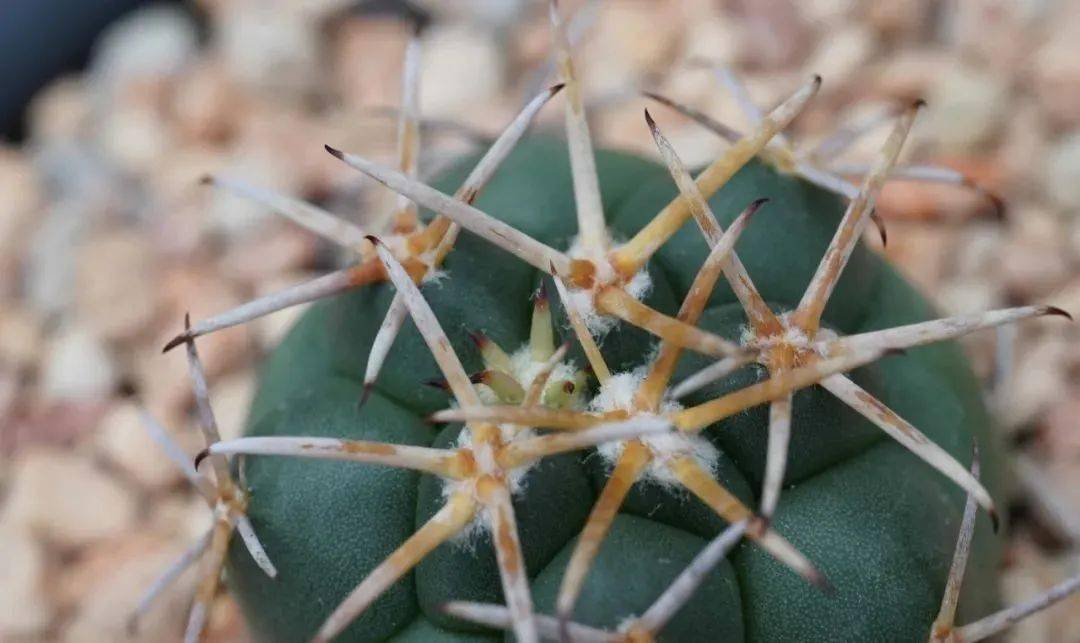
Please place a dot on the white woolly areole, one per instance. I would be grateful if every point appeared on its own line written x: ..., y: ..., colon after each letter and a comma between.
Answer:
x: 617, y: 394
x: 582, y: 300
x: 793, y: 335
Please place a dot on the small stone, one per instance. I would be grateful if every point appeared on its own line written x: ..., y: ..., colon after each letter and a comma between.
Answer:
x: 967, y: 108
x: 1062, y: 171
x: 921, y: 251
x: 625, y: 44
x: 60, y: 112
x: 909, y: 73
x: 900, y: 20
x: 773, y: 35
x: 367, y: 61
x: 150, y: 43
x: 106, y: 584
x: 135, y: 137
x: 116, y: 290
x: 21, y: 337
x: 123, y: 441
x: 25, y: 610
x: 1038, y: 380
x: 62, y: 497
x: 844, y: 53
x: 967, y: 296
x: 461, y: 68
x: 978, y: 253
x: 1033, y: 259
x: 1056, y: 78
x: 712, y: 37
x: 182, y: 518
x: 77, y: 366
x: 231, y: 398
x: 270, y: 48
x: 268, y: 252
x: 1032, y: 573
x: 53, y: 423
x: 49, y: 265
x: 206, y: 104
x: 1059, y: 436
x: 490, y: 13
x: 20, y: 183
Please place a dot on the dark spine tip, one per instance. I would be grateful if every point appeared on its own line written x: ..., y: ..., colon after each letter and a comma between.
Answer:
x: 555, y: 89
x: 478, y: 338
x: 817, y: 79
x: 819, y: 581
x: 336, y: 152
x: 205, y: 453
x: 206, y: 179
x: 373, y: 239
x: 437, y: 382
x: 364, y: 395
x: 995, y: 519
x: 1001, y: 211
x: 174, y: 342
x: 187, y: 321
x: 1060, y: 312
x: 919, y: 103
x: 755, y: 205
x: 649, y: 120
x: 478, y: 377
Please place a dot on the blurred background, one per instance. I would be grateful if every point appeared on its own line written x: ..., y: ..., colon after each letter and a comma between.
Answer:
x: 112, y: 110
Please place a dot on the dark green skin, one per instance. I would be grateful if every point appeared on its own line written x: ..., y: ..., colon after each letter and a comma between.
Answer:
x: 879, y: 523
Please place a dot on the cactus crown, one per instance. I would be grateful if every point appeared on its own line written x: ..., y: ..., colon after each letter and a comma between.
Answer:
x: 532, y: 402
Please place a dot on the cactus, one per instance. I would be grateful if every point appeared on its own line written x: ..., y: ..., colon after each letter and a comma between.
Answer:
x: 638, y: 454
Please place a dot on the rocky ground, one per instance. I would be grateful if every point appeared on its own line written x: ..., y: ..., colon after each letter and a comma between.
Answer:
x: 107, y: 238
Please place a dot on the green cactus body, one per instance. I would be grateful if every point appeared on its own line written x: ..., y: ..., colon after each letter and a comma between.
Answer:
x: 878, y: 522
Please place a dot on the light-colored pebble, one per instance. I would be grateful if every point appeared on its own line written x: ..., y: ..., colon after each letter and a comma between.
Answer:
x: 116, y: 293
x: 967, y: 107
x: 64, y: 498
x: 25, y: 610
x: 461, y: 68
x: 270, y: 48
x: 21, y: 337
x: 154, y: 42
x: 1061, y: 172
x: 77, y: 366
x: 107, y: 583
